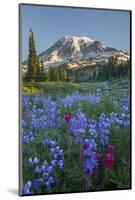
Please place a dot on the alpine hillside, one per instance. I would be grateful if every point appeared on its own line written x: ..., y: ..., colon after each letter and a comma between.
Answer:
x: 75, y: 50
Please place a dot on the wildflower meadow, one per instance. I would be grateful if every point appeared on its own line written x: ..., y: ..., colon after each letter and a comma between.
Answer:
x: 76, y: 140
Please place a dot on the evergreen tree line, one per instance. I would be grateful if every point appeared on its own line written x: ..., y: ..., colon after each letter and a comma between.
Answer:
x: 110, y: 71
x: 113, y: 70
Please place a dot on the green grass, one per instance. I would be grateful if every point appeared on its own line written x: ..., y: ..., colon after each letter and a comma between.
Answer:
x: 65, y: 88
x: 30, y: 90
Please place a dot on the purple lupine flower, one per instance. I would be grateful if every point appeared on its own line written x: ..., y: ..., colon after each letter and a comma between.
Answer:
x: 45, y: 163
x: 38, y: 169
x: 60, y: 164
x: 30, y: 161
x: 53, y: 163
x: 52, y: 150
x: 45, y: 175
x: 55, y: 155
x: 27, y: 187
x: 60, y: 152
x: 36, y: 160
x: 50, y: 169
x: 86, y: 144
x: 52, y: 143
x: 37, y: 183
x: 51, y: 179
x: 48, y: 185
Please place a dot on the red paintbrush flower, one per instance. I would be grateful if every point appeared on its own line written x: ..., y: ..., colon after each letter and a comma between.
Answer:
x: 109, y: 160
x: 110, y: 149
x: 97, y: 156
x: 67, y: 117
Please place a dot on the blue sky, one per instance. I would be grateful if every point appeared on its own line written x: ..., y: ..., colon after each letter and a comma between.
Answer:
x: 49, y: 24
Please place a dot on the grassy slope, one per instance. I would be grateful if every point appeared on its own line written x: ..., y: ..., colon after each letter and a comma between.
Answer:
x: 65, y: 88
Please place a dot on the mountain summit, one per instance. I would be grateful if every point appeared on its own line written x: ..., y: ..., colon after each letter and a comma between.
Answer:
x: 67, y: 48
x: 75, y: 49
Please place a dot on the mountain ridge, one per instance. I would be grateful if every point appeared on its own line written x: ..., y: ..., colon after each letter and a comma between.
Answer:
x: 79, y: 48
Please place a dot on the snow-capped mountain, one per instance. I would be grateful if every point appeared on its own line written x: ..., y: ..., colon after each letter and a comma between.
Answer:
x: 72, y: 49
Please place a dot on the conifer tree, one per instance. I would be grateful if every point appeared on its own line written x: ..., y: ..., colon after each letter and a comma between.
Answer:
x: 33, y: 63
x: 51, y: 74
x: 42, y: 66
x: 38, y: 71
x: 42, y: 73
